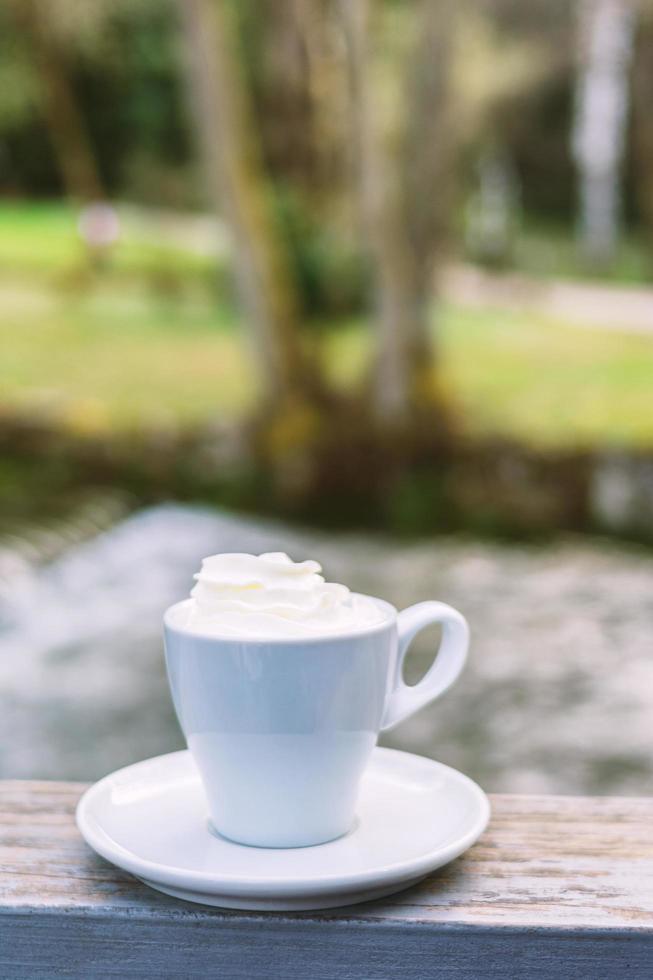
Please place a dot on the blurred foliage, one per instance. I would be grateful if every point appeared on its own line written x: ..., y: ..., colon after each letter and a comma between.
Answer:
x: 331, y: 272
x: 123, y: 58
x: 152, y: 340
x: 514, y: 78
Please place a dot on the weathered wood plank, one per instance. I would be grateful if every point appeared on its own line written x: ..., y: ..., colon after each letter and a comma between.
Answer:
x: 557, y: 886
x: 89, y: 947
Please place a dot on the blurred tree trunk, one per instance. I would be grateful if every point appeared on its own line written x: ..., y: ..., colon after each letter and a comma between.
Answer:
x: 280, y: 79
x: 237, y: 189
x: 606, y: 30
x: 643, y: 114
x: 301, y: 94
x: 296, y: 69
x: 402, y: 171
x: 63, y: 115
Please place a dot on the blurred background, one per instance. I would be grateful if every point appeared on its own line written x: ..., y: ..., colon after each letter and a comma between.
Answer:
x: 360, y: 280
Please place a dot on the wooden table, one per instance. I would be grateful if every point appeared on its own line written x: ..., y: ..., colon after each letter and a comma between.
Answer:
x: 558, y: 887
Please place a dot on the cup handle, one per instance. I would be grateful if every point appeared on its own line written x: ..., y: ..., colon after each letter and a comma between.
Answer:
x: 450, y: 659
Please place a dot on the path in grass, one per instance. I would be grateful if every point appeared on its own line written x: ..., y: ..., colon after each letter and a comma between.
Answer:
x: 619, y: 308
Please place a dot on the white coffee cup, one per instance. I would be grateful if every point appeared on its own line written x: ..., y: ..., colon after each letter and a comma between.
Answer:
x: 281, y: 729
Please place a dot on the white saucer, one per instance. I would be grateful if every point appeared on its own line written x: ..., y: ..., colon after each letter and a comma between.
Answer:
x: 414, y: 815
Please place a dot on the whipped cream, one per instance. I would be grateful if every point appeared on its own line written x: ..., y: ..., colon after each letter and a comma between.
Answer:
x: 272, y: 596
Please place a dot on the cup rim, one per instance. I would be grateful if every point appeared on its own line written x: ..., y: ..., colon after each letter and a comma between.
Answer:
x: 390, y: 619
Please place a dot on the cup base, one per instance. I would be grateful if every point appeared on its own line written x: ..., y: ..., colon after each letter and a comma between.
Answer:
x: 280, y: 841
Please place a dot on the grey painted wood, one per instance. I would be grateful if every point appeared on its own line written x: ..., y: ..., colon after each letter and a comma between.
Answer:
x: 557, y: 887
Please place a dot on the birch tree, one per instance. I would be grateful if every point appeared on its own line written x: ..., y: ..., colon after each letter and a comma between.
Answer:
x: 606, y: 29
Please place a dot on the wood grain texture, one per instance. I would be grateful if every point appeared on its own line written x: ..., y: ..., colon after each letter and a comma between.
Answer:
x: 557, y: 887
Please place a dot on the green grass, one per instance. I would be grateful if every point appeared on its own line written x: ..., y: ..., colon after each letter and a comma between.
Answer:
x: 122, y: 351
x: 41, y: 238
x: 550, y: 383
x: 119, y: 358
x: 539, y: 380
